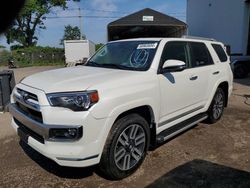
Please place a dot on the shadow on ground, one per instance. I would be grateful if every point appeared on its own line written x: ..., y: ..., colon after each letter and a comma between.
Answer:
x: 200, y: 173
x: 52, y: 167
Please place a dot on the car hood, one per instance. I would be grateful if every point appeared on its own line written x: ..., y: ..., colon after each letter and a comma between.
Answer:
x: 78, y: 78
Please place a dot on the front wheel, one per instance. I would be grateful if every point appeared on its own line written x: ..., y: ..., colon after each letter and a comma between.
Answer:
x: 125, y: 147
x: 216, y: 108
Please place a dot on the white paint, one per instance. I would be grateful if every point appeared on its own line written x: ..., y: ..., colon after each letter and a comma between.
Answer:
x: 147, y: 46
x: 224, y: 20
x: 148, y: 18
x: 168, y: 95
x: 77, y: 50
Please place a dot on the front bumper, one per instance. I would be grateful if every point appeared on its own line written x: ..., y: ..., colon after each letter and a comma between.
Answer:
x: 40, y: 129
x: 85, y: 151
x: 63, y: 154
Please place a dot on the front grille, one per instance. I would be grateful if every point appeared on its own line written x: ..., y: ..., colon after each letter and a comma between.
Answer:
x: 33, y: 114
x: 29, y: 95
x: 28, y: 104
x: 27, y: 131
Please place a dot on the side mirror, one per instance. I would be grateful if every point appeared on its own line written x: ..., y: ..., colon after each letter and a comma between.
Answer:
x: 173, y: 66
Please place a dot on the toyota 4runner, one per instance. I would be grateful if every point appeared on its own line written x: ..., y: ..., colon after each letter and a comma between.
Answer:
x: 132, y: 94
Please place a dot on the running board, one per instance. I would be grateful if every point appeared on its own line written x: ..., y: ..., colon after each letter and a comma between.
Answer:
x: 180, y: 127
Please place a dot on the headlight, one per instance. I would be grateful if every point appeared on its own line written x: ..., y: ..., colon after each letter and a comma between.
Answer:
x: 76, y: 101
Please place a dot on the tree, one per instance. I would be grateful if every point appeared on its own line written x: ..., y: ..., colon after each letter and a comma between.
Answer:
x: 98, y: 46
x: 71, y: 33
x: 30, y: 19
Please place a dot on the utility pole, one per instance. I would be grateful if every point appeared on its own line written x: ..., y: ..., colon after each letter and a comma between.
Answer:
x: 80, y: 20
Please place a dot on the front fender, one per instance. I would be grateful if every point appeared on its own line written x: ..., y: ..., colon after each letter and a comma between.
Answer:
x: 119, y: 98
x: 118, y: 110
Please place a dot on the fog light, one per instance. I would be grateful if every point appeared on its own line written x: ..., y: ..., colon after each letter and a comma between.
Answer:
x: 65, y: 134
x: 71, y: 133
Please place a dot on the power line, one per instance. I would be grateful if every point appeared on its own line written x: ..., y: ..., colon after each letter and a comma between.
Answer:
x: 98, y: 17
x: 99, y: 10
x: 112, y: 11
x: 56, y: 17
x: 174, y: 14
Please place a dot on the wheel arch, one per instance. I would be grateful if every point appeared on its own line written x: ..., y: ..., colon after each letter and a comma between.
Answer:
x: 224, y: 86
x: 146, y: 111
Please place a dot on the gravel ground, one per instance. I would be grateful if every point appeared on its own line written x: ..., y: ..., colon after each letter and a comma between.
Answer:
x: 206, y: 156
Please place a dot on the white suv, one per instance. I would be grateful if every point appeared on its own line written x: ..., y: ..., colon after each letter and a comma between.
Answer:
x: 130, y: 95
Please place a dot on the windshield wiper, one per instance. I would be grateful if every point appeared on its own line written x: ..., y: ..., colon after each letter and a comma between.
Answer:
x: 112, y: 65
x: 92, y: 63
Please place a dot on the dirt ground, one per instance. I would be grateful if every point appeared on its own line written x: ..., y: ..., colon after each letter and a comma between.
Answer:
x: 215, y: 155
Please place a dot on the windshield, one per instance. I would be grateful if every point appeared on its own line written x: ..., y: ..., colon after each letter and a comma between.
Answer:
x: 127, y: 55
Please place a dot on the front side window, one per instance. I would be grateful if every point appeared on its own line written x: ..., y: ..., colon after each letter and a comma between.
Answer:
x: 176, y: 50
x: 127, y: 55
x: 200, y: 55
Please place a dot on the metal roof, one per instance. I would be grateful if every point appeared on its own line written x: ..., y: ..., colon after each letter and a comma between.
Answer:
x: 147, y: 17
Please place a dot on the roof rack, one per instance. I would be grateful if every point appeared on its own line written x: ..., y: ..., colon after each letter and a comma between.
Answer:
x: 198, y: 38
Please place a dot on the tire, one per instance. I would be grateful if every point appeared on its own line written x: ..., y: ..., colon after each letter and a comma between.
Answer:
x: 216, y: 108
x: 125, y: 148
x: 240, y: 71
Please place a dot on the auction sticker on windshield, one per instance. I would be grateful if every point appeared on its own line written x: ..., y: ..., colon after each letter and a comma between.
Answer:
x: 147, y: 46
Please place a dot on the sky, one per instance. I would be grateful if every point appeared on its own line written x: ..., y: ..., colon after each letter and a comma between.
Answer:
x: 104, y: 12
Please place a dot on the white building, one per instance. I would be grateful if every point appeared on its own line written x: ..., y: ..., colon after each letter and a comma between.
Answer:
x: 224, y: 20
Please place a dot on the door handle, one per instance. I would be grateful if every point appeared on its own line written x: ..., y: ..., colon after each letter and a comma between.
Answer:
x: 193, y: 77
x: 217, y: 72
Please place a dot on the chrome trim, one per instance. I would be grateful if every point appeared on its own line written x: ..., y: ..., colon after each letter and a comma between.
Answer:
x: 179, y: 116
x: 37, y: 127
x: 26, y: 103
x: 197, y: 38
x: 185, y: 128
x: 28, y: 94
x: 77, y: 159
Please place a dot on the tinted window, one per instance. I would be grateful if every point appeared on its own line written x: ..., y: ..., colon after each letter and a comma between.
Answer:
x: 220, y: 52
x: 200, y: 55
x: 175, y: 51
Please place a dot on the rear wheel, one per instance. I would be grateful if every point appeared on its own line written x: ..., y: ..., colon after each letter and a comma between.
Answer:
x: 126, y: 147
x: 216, y: 108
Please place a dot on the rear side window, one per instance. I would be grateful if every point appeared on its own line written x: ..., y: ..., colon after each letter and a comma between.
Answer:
x: 220, y: 52
x: 200, y: 55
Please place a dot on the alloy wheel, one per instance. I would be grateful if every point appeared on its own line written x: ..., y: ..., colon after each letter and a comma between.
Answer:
x: 129, y: 147
x: 218, y: 105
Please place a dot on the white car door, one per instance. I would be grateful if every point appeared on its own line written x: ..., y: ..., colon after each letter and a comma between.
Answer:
x: 184, y: 92
x: 203, y: 67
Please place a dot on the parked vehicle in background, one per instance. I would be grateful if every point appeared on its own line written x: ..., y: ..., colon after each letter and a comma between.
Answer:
x: 240, y: 66
x: 130, y: 95
x: 78, y: 50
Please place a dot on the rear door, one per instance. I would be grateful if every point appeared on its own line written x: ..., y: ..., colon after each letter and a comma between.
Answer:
x: 202, y: 66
